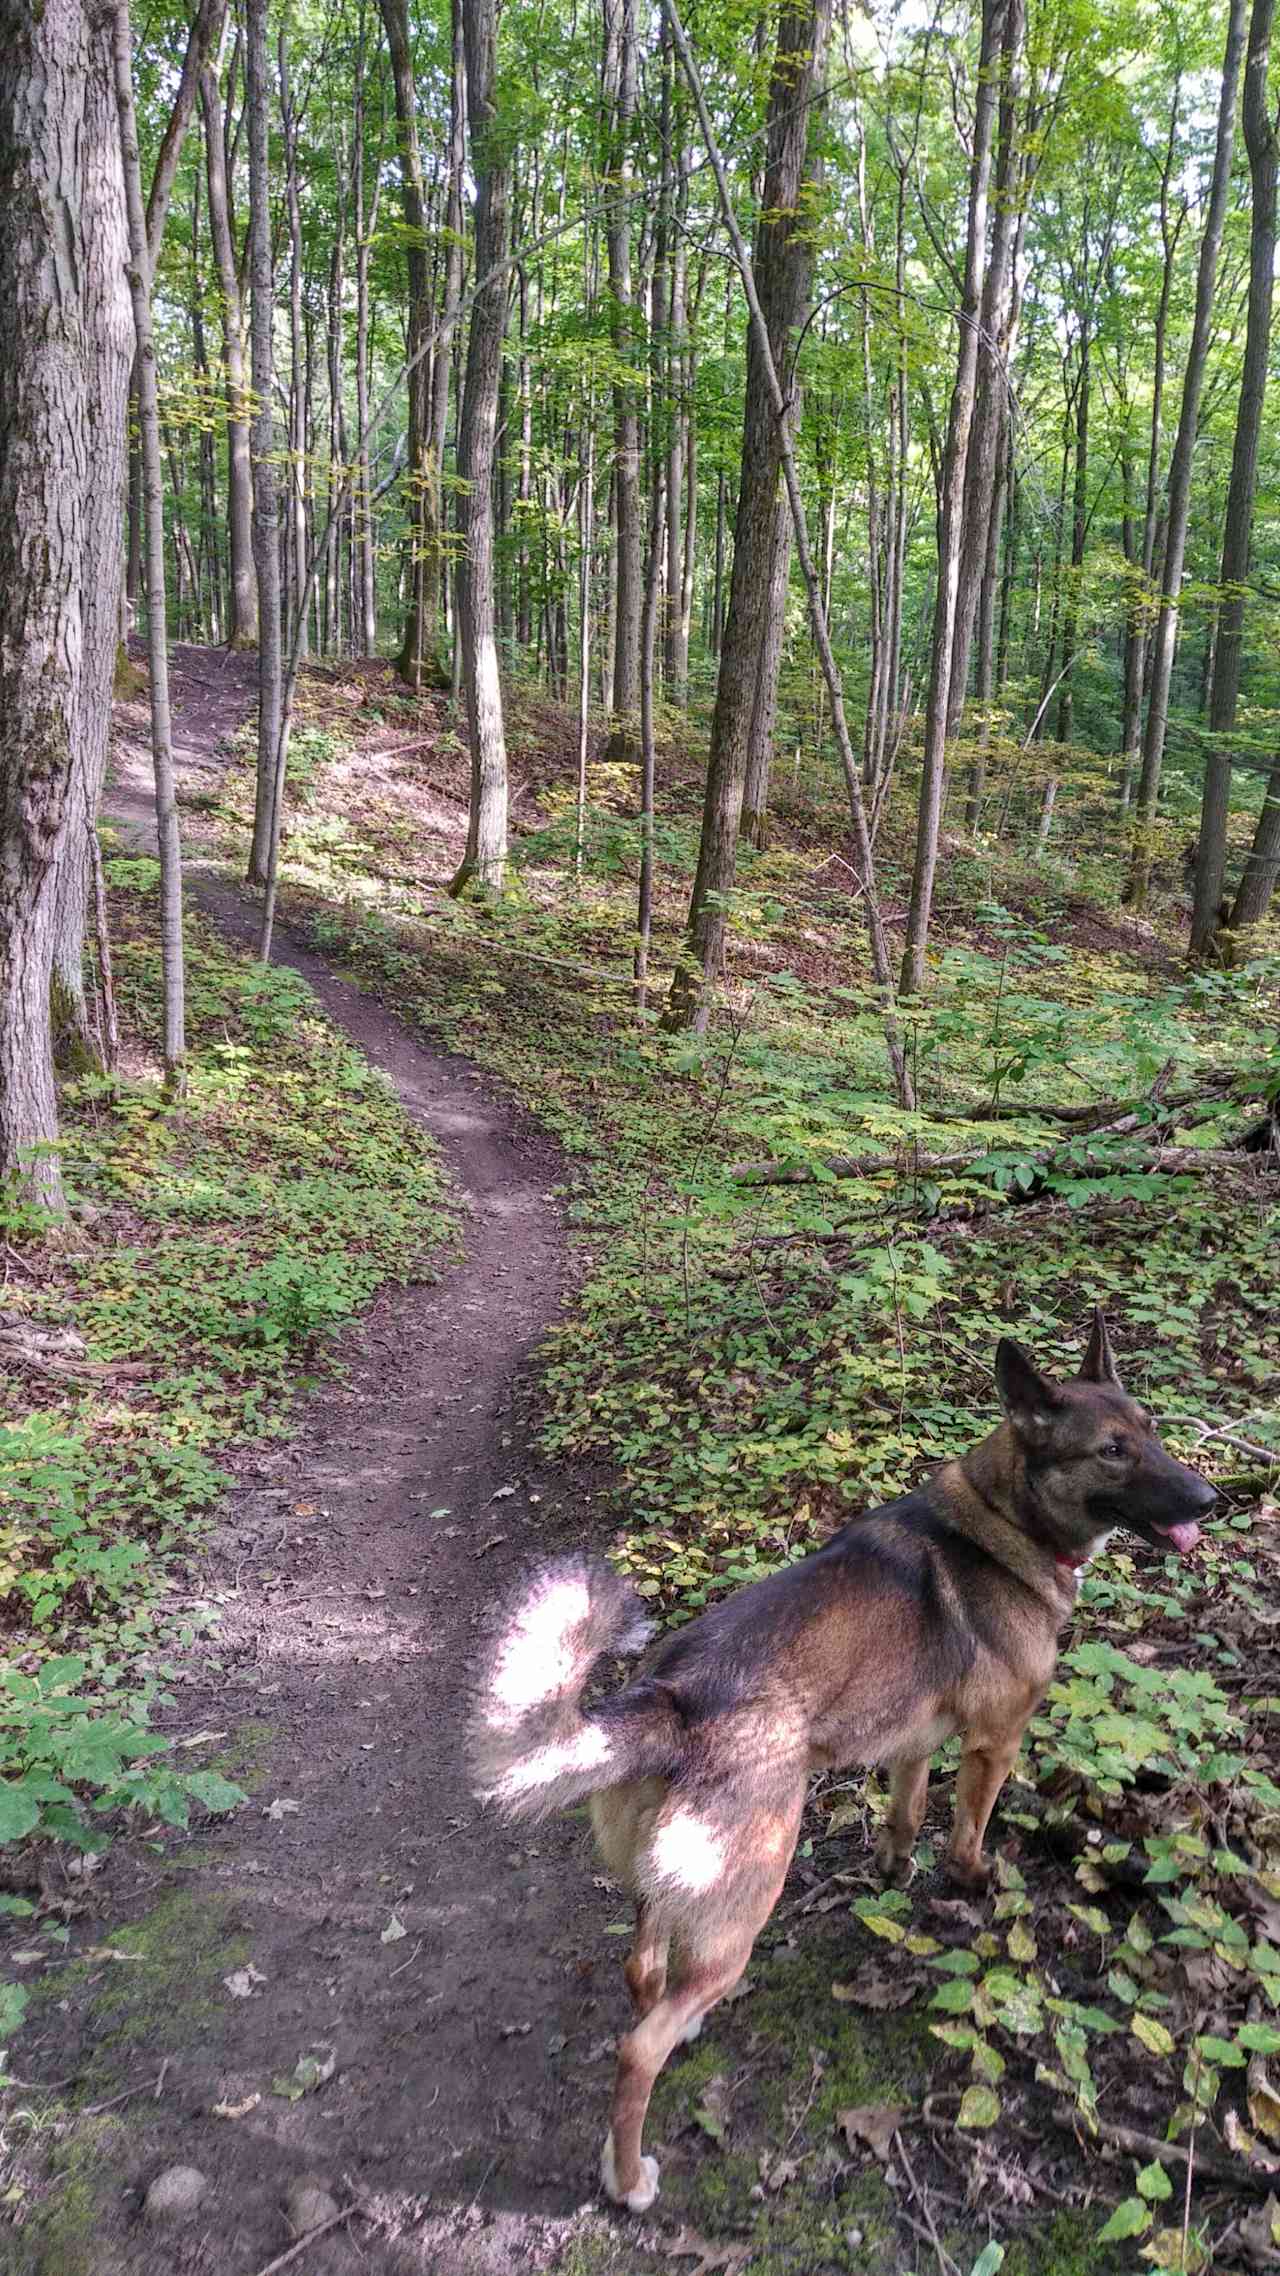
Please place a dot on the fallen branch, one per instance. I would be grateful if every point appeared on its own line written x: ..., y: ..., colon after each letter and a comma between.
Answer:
x: 313, y: 2236
x: 1168, y: 1161
x: 1147, y: 2147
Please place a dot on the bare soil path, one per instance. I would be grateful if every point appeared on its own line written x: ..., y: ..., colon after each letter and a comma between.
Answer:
x: 453, y: 1973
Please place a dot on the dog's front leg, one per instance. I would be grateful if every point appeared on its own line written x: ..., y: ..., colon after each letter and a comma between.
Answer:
x: 908, y: 1792
x: 985, y: 1766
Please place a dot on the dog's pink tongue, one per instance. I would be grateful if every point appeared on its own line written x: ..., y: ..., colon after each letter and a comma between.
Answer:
x: 1184, y: 1537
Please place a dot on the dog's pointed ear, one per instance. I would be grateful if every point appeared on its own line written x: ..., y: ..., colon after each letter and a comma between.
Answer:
x: 1099, y: 1362
x: 1028, y: 1397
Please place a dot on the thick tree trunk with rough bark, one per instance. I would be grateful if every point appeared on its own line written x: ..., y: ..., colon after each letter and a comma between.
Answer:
x: 66, y: 347
x: 485, y: 860
x: 1264, y: 153
x: 1166, y: 632
x: 782, y: 262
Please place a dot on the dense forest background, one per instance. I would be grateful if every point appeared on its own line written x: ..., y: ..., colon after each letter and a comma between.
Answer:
x: 638, y: 708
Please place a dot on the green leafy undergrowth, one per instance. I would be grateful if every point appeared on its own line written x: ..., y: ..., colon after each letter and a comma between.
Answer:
x: 211, y: 1249
x: 761, y: 1360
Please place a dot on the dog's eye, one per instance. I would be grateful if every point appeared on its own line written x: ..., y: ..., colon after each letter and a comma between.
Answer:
x: 1114, y: 1450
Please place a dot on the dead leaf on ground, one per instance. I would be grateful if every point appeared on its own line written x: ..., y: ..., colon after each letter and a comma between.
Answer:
x: 282, y: 1809
x: 236, y: 2109
x: 713, y: 2259
x: 1264, y: 2102
x: 242, y: 1981
x: 873, y: 2125
x: 1260, y: 2234
x: 393, y: 1931
x: 776, y: 2172
x: 871, y: 1987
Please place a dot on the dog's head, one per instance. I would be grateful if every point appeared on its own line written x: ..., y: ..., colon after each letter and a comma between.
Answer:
x: 1092, y: 1458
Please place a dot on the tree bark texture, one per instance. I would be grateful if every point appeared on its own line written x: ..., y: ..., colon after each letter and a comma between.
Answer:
x: 1264, y: 151
x: 485, y: 859
x: 242, y: 617
x: 782, y: 263
x: 66, y: 346
x: 167, y: 834
x: 1166, y: 632
x: 266, y: 502
x: 951, y: 510
x: 620, y: 96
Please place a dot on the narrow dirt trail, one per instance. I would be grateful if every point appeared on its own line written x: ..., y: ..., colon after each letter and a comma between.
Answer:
x: 454, y: 1972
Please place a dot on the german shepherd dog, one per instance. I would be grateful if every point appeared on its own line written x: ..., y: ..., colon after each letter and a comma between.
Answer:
x: 936, y: 1614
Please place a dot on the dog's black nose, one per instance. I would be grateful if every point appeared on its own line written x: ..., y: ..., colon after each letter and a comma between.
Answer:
x: 1203, y: 1496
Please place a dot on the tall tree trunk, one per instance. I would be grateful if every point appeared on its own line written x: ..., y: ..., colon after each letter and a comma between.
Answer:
x: 266, y: 504
x: 760, y: 334
x: 620, y: 65
x: 764, y: 707
x: 984, y: 687
x: 366, y: 220
x: 1179, y: 507
x: 995, y: 346
x: 782, y: 262
x: 169, y: 843
x: 242, y: 614
x: 1262, y: 862
x: 951, y: 514
x: 66, y: 347
x: 418, y: 662
x: 1137, y: 623
x: 1264, y: 165
x: 296, y: 518
x: 1079, y: 533
x: 485, y: 859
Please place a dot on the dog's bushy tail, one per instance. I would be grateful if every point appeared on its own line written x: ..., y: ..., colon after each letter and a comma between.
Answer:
x: 531, y: 1748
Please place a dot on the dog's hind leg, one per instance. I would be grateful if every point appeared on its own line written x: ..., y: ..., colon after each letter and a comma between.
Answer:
x: 988, y: 1759
x: 628, y: 2177
x: 908, y: 1793
x: 645, y: 1967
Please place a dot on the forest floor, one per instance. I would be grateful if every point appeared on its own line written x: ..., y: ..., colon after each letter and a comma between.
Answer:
x: 449, y: 1989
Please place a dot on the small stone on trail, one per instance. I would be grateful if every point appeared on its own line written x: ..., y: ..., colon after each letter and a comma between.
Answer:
x: 308, y: 2205
x: 175, y: 2193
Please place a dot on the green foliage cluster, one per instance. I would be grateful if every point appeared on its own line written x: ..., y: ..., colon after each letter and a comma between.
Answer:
x: 212, y: 1248
x: 761, y: 1361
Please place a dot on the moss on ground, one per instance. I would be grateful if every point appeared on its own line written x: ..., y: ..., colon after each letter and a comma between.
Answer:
x: 245, y: 1760
x: 160, y: 1988
x: 62, y: 2234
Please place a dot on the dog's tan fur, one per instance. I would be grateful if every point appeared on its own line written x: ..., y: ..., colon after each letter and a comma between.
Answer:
x: 937, y: 1615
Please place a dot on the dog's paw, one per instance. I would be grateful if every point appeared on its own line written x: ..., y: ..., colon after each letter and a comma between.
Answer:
x: 972, y: 1873
x: 637, y: 2200
x: 895, y: 1871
